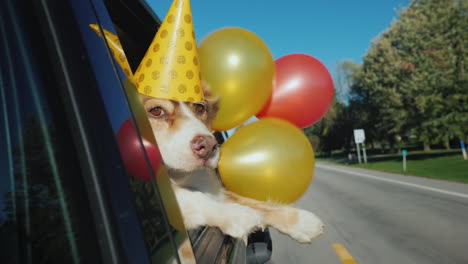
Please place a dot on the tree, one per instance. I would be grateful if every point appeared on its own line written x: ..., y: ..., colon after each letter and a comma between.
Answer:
x: 430, y: 40
x: 344, y: 79
x: 413, y: 76
x: 377, y: 91
x: 413, y: 81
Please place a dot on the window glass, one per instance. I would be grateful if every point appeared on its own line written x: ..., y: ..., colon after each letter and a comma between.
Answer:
x: 44, y: 214
x: 155, y: 202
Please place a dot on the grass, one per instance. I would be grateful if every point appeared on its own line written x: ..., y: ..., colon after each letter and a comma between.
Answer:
x: 446, y: 165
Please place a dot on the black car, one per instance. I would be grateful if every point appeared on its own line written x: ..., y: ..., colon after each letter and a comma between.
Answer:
x: 65, y: 195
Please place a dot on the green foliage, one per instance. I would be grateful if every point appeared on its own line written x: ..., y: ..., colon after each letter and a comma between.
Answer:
x: 333, y: 131
x: 429, y: 36
x: 413, y: 81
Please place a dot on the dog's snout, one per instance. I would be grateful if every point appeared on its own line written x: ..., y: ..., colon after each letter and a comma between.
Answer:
x: 204, y: 146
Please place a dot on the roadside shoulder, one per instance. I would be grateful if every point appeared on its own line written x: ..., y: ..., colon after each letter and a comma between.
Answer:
x: 428, y: 183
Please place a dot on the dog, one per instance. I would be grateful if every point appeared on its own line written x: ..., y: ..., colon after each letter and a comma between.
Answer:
x: 191, y: 153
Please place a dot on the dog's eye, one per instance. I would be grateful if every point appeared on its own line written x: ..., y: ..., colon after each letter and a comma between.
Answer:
x: 199, y: 108
x: 156, y: 111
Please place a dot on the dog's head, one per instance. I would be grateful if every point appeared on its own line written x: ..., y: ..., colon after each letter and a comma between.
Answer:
x: 182, y: 131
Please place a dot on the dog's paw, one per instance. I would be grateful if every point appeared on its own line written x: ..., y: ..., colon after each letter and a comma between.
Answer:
x: 307, y: 227
x: 301, y: 225
x: 240, y: 221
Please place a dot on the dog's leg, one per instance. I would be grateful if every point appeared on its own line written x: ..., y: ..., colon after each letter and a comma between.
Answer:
x: 299, y: 224
x: 199, y: 209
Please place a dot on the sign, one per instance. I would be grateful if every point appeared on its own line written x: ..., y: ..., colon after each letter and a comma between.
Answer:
x: 359, y: 136
x: 404, y: 152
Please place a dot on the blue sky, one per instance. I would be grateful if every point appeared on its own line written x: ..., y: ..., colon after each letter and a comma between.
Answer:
x: 330, y: 30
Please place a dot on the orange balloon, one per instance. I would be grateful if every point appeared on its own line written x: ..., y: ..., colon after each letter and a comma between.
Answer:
x: 132, y: 152
x: 302, y: 92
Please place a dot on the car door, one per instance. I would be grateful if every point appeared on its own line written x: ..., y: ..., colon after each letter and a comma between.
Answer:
x: 66, y: 196
x: 70, y: 199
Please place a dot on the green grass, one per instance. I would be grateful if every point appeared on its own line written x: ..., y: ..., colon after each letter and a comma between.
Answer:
x: 447, y: 167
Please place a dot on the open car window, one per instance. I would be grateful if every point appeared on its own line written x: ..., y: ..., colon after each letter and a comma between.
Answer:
x: 136, y: 25
x: 159, y: 216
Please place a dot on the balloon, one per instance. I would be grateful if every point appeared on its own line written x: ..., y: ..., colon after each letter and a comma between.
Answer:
x: 132, y: 152
x: 302, y: 92
x: 267, y: 160
x: 239, y: 68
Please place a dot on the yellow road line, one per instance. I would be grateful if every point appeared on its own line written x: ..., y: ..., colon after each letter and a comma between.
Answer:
x: 344, y: 255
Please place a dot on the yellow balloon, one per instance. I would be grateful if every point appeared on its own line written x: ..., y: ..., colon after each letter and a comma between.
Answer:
x: 267, y: 160
x: 239, y: 67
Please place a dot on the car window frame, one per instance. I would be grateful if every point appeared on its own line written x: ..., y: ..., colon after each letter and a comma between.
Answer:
x: 232, y: 249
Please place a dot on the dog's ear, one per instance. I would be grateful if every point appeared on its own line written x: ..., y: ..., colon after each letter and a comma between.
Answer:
x: 212, y: 102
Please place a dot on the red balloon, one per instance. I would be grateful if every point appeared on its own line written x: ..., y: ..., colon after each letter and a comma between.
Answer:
x: 133, y: 155
x: 302, y: 90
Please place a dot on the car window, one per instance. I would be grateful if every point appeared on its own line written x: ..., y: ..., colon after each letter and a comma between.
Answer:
x: 44, y: 214
x: 48, y: 183
x: 158, y: 211
x: 65, y: 193
x: 135, y: 26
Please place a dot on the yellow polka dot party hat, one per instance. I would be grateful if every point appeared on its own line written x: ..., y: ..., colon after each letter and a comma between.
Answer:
x: 170, y: 68
x: 116, y: 50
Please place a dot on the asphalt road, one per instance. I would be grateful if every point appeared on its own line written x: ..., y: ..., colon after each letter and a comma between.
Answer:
x: 381, y: 218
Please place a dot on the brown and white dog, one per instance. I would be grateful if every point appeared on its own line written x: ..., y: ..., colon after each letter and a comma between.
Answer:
x: 190, y: 152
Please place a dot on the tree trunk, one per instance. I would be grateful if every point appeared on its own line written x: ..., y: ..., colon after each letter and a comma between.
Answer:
x: 391, y: 142
x: 427, y: 147
x: 447, y: 144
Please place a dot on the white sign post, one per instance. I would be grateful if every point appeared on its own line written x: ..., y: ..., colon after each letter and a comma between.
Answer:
x: 404, y: 153
x: 359, y: 138
x: 358, y: 153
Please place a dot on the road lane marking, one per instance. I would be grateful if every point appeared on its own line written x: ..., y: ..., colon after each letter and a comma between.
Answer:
x: 343, y: 253
x: 462, y: 195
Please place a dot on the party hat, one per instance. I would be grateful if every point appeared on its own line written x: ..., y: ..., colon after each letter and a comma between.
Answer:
x: 116, y: 50
x: 170, y: 69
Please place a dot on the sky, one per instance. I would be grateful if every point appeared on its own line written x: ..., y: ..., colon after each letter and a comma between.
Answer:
x: 329, y: 30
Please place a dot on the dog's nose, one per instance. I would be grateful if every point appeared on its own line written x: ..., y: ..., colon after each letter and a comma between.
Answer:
x: 204, y: 146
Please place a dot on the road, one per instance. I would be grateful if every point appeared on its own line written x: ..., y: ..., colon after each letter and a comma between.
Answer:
x: 381, y: 218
